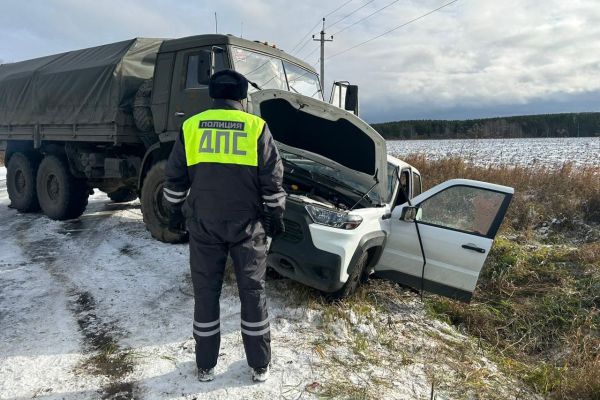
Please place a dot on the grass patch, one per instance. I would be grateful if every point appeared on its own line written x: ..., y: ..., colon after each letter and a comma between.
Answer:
x: 538, y: 310
x: 110, y: 361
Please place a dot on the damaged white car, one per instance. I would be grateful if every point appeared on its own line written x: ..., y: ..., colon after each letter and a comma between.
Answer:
x: 352, y: 210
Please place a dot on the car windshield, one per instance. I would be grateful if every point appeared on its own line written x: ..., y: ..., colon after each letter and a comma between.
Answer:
x: 274, y: 73
x: 321, y: 172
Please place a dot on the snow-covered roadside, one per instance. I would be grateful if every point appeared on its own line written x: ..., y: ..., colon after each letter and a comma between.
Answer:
x: 101, y: 285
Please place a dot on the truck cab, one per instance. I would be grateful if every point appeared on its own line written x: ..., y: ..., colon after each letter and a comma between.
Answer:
x: 180, y: 90
x: 184, y: 66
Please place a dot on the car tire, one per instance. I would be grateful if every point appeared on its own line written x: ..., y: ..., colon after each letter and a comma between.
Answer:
x: 21, y: 174
x: 122, y: 195
x: 154, y: 208
x: 61, y: 195
x: 353, y: 281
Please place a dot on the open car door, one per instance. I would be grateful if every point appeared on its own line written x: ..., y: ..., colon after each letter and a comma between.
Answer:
x: 440, y: 240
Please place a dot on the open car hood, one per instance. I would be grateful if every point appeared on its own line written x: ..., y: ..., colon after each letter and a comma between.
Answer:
x: 324, y: 133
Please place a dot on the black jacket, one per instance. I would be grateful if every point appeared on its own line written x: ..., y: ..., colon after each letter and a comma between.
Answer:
x: 212, y: 191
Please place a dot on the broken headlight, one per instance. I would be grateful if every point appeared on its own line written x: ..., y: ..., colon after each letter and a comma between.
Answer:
x: 336, y: 219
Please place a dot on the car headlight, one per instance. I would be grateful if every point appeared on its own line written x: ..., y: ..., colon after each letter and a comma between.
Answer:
x: 336, y: 219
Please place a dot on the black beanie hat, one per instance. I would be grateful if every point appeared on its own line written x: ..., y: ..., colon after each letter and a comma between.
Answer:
x: 228, y: 84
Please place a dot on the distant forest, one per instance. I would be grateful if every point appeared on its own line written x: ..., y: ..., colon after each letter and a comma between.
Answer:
x: 525, y: 126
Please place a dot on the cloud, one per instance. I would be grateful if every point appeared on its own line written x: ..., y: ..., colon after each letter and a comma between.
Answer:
x: 469, y: 59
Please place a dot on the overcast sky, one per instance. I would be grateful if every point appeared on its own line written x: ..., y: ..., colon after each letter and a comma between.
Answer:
x: 474, y: 58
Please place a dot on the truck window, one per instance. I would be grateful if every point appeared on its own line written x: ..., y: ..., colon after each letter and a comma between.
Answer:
x: 199, y: 66
x: 267, y: 72
x: 417, y: 185
x: 302, y: 81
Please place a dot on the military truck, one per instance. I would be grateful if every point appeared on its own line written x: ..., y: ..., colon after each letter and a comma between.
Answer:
x: 106, y: 117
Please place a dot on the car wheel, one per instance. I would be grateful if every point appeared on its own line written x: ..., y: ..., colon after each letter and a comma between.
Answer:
x: 353, y: 281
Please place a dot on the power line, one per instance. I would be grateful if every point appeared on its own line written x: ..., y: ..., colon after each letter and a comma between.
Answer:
x: 393, y: 29
x: 304, y: 37
x: 311, y: 29
x: 310, y: 53
x: 367, y: 17
x: 327, y: 15
x: 358, y: 9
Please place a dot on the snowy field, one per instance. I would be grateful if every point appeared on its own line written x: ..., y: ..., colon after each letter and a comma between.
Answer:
x: 543, y: 152
x: 74, y: 292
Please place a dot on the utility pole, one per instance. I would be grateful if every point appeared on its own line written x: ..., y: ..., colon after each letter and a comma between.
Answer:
x: 323, y: 40
x: 216, y: 23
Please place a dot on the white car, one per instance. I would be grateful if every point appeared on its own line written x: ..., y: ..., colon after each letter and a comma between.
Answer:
x: 353, y: 210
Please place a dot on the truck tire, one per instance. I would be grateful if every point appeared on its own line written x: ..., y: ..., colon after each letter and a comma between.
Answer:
x: 142, y: 113
x: 122, y: 195
x: 154, y: 207
x: 20, y: 182
x: 60, y: 194
x: 354, y: 279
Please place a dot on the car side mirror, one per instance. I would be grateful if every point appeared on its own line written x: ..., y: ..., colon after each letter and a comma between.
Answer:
x: 409, y: 214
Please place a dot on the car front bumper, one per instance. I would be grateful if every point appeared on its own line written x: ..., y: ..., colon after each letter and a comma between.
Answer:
x: 295, y: 256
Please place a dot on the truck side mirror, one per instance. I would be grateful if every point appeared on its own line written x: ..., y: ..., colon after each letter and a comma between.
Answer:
x: 345, y: 96
x: 216, y: 59
x: 409, y: 214
x: 352, y: 99
x: 203, y: 71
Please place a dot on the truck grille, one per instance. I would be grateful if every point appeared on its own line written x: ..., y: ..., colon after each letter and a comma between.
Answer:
x: 293, y: 231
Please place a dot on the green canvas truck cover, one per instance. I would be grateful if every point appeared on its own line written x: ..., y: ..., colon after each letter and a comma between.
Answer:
x: 90, y: 86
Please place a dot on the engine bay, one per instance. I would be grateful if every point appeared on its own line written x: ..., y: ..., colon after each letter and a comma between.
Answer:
x: 300, y: 187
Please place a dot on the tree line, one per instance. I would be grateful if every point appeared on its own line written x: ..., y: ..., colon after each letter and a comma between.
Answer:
x: 525, y: 126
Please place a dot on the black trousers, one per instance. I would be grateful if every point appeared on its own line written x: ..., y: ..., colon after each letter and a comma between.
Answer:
x: 210, y: 243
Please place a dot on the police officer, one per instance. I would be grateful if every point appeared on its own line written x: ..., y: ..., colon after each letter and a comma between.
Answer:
x: 223, y: 173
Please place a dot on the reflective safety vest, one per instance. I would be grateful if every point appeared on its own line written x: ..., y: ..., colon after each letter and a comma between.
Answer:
x: 222, y: 136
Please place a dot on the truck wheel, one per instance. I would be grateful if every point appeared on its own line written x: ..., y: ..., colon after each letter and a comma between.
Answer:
x: 20, y: 182
x: 154, y: 207
x: 60, y: 194
x: 353, y: 279
x: 142, y: 113
x: 122, y: 195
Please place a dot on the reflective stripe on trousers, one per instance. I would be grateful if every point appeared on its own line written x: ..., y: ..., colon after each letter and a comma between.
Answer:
x: 210, y: 242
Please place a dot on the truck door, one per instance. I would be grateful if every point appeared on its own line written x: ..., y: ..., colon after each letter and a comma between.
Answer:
x: 189, y: 87
x: 457, y: 222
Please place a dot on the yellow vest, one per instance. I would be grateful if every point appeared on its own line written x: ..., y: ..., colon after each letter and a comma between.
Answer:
x: 222, y: 136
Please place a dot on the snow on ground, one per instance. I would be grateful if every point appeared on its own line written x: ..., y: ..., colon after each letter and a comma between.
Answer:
x: 543, y: 151
x: 74, y: 294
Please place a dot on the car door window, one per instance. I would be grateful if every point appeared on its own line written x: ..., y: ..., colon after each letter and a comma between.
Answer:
x: 404, y: 190
x: 417, y: 184
x: 464, y: 208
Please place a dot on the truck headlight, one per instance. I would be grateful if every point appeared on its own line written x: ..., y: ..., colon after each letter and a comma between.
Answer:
x: 336, y: 219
